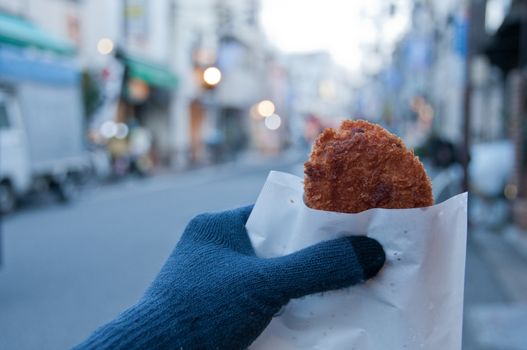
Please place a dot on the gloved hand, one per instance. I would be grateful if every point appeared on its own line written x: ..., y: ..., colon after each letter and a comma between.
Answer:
x: 214, y: 293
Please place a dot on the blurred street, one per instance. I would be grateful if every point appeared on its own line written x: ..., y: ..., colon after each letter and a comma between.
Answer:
x: 68, y: 269
x: 495, y: 299
x: 121, y: 120
x: 75, y: 267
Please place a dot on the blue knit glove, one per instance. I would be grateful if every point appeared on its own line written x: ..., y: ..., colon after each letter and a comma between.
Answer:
x: 214, y: 293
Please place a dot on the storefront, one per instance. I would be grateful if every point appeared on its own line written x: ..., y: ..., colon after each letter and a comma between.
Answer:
x: 508, y: 51
x: 144, y: 110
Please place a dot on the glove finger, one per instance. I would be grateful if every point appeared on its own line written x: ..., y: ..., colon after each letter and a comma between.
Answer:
x: 326, y: 266
x: 226, y: 229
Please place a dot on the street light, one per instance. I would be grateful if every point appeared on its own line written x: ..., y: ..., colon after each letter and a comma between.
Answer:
x: 212, y: 76
x: 105, y: 46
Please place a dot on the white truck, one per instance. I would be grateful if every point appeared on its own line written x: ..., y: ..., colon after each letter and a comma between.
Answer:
x: 41, y: 129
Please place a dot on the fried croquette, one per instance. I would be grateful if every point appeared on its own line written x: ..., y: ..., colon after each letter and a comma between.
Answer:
x: 360, y: 166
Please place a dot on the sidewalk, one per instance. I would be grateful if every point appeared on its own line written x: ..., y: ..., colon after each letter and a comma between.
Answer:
x: 517, y: 238
x: 497, y: 320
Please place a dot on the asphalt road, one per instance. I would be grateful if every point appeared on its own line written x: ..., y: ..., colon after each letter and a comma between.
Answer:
x: 69, y: 269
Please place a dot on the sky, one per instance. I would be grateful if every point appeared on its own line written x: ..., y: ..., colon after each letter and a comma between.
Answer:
x: 348, y: 29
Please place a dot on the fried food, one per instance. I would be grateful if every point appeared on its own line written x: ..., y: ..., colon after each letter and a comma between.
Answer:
x: 360, y: 166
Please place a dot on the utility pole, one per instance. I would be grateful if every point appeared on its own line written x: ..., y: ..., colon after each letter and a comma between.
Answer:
x: 475, y: 33
x: 1, y: 246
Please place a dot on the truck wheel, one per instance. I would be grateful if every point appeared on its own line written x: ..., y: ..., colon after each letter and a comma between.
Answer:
x: 66, y: 190
x: 7, y: 198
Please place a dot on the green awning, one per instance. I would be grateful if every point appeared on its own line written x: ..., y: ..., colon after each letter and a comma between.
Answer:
x: 150, y: 72
x: 20, y: 32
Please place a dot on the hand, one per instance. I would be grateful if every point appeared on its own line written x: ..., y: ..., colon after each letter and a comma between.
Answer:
x: 215, y: 293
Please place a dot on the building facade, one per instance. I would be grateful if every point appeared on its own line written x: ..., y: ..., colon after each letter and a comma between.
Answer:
x: 148, y: 59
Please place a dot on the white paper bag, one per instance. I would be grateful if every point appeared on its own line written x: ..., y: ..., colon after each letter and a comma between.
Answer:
x: 415, y: 302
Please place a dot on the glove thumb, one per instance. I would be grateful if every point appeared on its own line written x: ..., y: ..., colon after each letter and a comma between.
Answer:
x: 327, y: 266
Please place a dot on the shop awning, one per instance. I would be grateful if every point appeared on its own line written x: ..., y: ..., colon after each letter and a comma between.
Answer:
x: 20, y: 32
x: 503, y: 50
x: 152, y: 73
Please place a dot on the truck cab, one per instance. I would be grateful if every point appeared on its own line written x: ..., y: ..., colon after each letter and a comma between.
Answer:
x: 15, y: 170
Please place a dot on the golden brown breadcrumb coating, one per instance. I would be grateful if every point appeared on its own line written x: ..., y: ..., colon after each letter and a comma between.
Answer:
x: 360, y: 166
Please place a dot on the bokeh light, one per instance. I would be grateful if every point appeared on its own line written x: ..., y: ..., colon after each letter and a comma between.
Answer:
x: 212, y: 76
x: 273, y: 122
x: 105, y: 46
x: 266, y: 108
x: 109, y: 129
x: 121, y: 131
